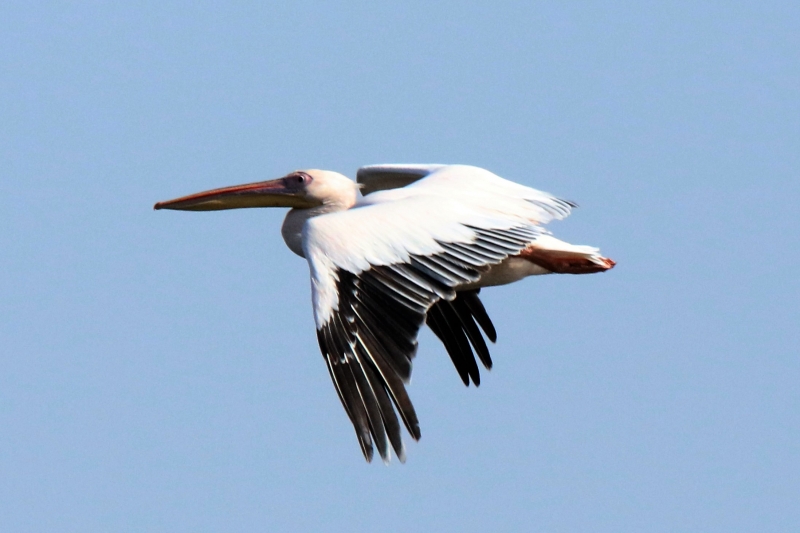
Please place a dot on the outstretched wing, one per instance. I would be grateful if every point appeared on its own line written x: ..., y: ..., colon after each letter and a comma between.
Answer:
x: 377, y: 271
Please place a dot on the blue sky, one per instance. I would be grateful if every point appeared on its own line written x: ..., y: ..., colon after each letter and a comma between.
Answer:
x: 160, y: 370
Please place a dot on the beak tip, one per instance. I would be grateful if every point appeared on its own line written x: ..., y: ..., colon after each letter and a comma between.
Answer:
x: 158, y: 206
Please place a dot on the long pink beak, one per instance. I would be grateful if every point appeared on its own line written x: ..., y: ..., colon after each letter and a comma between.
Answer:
x: 274, y: 193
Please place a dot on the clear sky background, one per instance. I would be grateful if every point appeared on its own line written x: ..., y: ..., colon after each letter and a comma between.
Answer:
x: 159, y: 371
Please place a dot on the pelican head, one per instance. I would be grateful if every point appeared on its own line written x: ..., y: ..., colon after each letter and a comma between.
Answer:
x: 302, y: 189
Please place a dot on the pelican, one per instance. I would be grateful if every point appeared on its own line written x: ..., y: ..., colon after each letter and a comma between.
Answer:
x: 402, y: 246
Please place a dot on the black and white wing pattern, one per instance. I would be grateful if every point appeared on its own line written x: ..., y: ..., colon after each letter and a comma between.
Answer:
x: 380, y: 270
x: 454, y: 323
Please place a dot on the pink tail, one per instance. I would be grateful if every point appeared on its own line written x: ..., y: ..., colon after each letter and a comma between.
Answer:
x: 563, y: 258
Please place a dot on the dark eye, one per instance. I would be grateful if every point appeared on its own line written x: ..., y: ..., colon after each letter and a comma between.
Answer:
x: 299, y: 179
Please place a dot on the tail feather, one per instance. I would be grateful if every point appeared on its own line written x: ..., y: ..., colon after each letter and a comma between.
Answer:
x: 564, y: 258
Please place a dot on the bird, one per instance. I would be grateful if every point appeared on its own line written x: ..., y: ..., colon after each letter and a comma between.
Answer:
x: 405, y: 245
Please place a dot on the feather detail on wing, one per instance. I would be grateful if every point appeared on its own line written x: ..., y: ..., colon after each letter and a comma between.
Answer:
x: 380, y: 270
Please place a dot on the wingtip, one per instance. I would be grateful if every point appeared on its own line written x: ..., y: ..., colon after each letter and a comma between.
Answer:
x: 367, y: 454
x: 401, y: 454
x: 366, y: 448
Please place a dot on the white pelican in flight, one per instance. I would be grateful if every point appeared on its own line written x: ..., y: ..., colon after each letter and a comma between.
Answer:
x: 406, y: 245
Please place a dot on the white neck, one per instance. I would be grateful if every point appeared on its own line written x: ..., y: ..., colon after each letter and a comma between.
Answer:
x: 334, y: 192
x: 292, y: 229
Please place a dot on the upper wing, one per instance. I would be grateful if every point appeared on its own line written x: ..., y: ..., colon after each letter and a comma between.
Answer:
x: 378, y: 269
x: 381, y: 177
